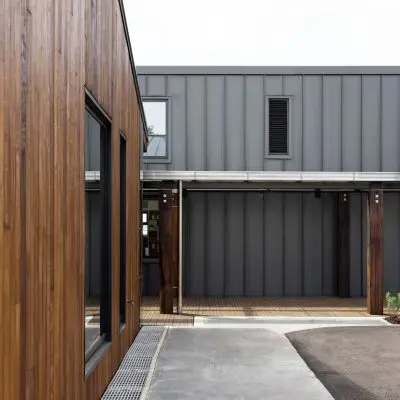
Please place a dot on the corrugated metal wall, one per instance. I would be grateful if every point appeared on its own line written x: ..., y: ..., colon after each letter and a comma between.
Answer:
x: 340, y: 122
x: 278, y: 244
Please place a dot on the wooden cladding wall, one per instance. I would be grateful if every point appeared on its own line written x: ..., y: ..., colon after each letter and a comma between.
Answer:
x: 49, y: 52
x: 11, y: 124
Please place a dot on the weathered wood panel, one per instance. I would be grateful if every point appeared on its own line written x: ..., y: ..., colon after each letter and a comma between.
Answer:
x: 11, y: 29
x: 49, y: 52
x: 375, y: 251
x: 125, y: 117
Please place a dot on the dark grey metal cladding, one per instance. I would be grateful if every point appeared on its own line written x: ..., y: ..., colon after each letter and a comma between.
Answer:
x: 342, y: 119
x: 279, y: 244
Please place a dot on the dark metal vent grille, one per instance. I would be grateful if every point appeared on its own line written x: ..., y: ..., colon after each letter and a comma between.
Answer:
x: 278, y: 126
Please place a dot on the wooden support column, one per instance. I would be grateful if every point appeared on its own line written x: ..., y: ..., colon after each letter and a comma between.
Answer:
x: 375, y: 251
x: 169, y: 240
x: 343, y: 244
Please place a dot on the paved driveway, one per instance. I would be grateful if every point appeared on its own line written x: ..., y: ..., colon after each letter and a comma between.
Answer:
x: 354, y: 362
x: 231, y: 364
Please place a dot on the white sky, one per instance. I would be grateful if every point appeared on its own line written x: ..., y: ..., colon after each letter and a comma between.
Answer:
x: 264, y: 32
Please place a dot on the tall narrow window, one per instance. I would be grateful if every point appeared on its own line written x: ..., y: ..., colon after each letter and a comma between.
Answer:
x: 122, y: 227
x: 98, y: 228
x: 156, y: 111
x: 278, y: 126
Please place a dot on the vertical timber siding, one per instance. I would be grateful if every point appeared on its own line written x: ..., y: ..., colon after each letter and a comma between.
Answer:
x: 49, y: 52
x: 109, y: 79
x: 12, y: 120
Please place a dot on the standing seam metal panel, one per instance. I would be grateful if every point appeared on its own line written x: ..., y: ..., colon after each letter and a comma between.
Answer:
x: 339, y: 122
x: 279, y: 244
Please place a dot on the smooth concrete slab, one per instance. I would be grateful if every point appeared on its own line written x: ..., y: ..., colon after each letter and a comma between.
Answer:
x: 231, y: 364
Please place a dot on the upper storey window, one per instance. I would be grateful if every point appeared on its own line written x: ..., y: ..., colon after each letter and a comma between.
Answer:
x: 157, y: 117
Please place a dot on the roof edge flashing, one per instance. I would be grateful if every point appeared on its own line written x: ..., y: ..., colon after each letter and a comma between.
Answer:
x: 266, y: 70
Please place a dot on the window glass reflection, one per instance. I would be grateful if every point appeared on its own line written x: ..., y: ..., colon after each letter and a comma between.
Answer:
x: 156, y: 117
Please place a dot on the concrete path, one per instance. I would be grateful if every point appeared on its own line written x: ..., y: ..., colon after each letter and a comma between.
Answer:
x: 231, y: 364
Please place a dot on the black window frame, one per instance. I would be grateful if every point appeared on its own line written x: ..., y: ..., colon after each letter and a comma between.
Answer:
x: 267, y: 110
x: 105, y: 186
x: 122, y: 229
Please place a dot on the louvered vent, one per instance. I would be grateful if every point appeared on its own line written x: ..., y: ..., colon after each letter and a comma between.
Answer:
x: 278, y: 126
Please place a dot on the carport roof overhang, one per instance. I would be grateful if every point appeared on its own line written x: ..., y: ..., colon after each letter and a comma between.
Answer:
x: 269, y: 176
x: 273, y: 180
x: 266, y: 179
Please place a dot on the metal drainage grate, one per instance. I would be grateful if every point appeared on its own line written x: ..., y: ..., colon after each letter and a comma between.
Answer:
x: 129, y: 380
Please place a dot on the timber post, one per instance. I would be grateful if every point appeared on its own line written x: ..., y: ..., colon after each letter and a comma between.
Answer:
x: 375, y: 250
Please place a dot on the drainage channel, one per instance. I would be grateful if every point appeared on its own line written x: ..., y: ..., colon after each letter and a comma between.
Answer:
x: 130, y: 379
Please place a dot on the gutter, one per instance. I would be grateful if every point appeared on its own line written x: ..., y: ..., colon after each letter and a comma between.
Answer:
x: 138, y: 95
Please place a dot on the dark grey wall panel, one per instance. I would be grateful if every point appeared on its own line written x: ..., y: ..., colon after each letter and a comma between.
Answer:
x: 364, y: 242
x: 331, y: 123
x: 391, y: 243
x: 329, y: 226
x: 279, y: 244
x: 142, y: 84
x: 156, y: 85
x: 254, y: 127
x: 356, y: 256
x: 150, y: 279
x: 293, y: 226
x: 390, y: 123
x: 273, y: 86
x: 253, y: 241
x: 215, y: 123
x: 215, y: 250
x: 235, y: 245
x: 312, y: 124
x: 195, y: 240
x: 371, y: 122
x: 274, y: 235
x: 338, y: 122
x: 177, y: 89
x: 186, y: 247
x: 313, y: 245
x: 351, y: 123
x: 293, y: 86
x: 196, y: 137
x: 235, y: 144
